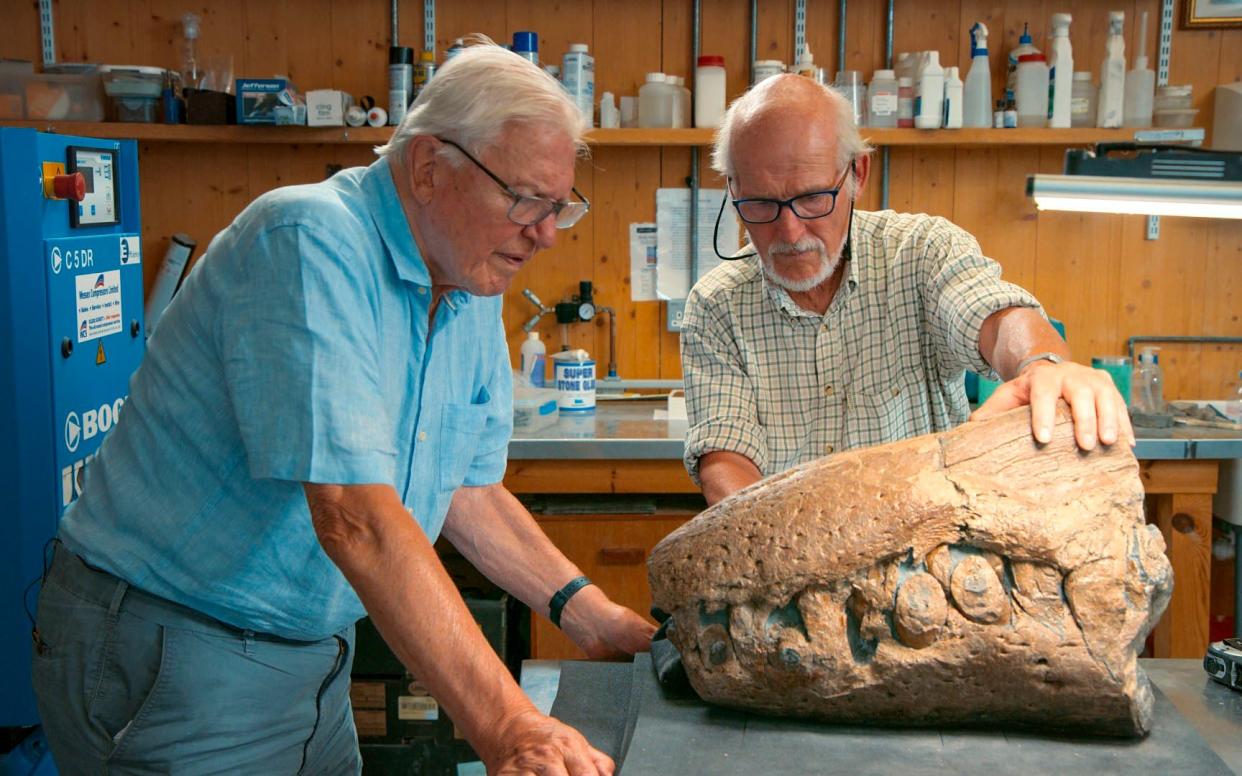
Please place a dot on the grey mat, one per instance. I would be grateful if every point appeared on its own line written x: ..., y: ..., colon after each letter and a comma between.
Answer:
x: 685, y: 735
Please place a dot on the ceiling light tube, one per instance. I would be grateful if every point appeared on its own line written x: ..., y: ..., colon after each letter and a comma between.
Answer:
x: 1138, y: 196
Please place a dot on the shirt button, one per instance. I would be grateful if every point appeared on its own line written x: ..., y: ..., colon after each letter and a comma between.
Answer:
x: 410, y: 510
x: 827, y: 449
x: 422, y: 436
x: 422, y: 291
x: 896, y: 391
x: 827, y: 390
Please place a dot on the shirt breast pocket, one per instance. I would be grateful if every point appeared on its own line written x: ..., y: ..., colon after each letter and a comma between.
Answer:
x: 461, y: 426
x: 888, y: 415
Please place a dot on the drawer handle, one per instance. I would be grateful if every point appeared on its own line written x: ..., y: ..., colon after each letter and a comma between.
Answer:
x: 622, y: 556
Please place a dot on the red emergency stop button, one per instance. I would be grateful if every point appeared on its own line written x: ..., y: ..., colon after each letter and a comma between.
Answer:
x: 71, y: 186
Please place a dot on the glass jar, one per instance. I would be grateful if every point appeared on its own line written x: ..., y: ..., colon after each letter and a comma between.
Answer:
x: 1082, y: 101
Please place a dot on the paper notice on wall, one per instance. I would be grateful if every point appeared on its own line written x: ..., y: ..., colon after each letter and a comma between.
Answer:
x: 643, y: 259
x: 673, y: 279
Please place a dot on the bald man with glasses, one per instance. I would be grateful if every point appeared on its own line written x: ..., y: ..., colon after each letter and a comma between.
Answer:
x: 837, y: 328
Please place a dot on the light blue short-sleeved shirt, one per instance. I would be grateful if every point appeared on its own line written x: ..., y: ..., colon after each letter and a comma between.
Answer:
x: 300, y: 349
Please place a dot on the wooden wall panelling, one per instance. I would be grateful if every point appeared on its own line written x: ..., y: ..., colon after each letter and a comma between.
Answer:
x: 726, y: 31
x: 1078, y: 256
x: 359, y: 49
x: 822, y: 25
x: 19, y: 30
x: 1222, y: 311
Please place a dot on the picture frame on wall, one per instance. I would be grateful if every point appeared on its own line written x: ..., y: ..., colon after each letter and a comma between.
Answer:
x: 1211, y: 14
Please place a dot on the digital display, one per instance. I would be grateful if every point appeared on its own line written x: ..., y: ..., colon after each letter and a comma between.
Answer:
x: 100, y: 206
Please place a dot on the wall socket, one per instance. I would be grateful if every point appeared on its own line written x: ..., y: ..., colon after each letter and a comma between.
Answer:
x: 676, y: 310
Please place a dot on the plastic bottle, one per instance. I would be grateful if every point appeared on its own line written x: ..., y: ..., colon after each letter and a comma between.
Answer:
x: 929, y: 93
x: 1233, y: 409
x: 189, y: 50
x: 526, y: 44
x: 1082, y: 101
x: 709, y: 91
x: 882, y: 99
x: 674, y: 94
x: 1109, y: 110
x: 850, y: 85
x: 1140, y: 85
x: 609, y: 116
x: 578, y: 78
x: 1060, y: 72
x: 400, y: 82
x: 424, y: 71
x: 806, y: 63
x: 1024, y: 47
x: 534, y: 360
x: 952, y: 99
x: 685, y: 103
x: 905, y: 102
x: 977, y: 91
x: 655, y: 105
x: 1148, y: 383
x: 1032, y: 91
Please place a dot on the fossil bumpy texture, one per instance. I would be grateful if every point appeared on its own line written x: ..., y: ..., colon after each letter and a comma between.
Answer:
x: 970, y: 577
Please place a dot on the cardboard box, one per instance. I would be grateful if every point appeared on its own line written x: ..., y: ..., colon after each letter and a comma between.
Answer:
x: 258, y: 99
x: 326, y: 107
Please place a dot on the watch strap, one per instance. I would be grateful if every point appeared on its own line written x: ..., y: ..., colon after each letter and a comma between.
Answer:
x: 557, y: 604
x: 1046, y: 356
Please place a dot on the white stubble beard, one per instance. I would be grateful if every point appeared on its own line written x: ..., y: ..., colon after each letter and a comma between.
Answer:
x: 829, y: 262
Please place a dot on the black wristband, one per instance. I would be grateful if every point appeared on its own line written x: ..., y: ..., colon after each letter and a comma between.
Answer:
x: 562, y: 597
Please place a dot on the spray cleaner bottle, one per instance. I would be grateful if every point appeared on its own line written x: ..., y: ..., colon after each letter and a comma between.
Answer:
x: 1024, y: 47
x: 1113, y: 74
x: 1140, y: 85
x: 1061, y: 79
x: 977, y: 92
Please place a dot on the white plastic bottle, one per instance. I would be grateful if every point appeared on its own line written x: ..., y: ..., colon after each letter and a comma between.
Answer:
x: 806, y: 63
x: 534, y: 360
x: 1111, y: 102
x: 709, y: 91
x: 952, y: 99
x: 578, y: 78
x: 905, y: 101
x: 609, y: 116
x: 1140, y: 85
x: 655, y: 104
x: 929, y: 93
x: 686, y: 102
x: 1024, y: 47
x: 977, y: 91
x: 882, y: 99
x: 1031, y: 94
x: 1060, y: 72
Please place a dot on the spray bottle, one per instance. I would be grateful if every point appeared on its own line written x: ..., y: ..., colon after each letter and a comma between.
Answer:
x: 1113, y: 74
x: 1140, y: 85
x: 1061, y: 78
x: 977, y: 93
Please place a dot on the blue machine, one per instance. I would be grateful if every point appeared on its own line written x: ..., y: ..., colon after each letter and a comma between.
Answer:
x: 70, y: 337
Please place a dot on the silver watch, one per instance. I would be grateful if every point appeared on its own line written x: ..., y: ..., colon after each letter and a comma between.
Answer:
x: 1031, y: 359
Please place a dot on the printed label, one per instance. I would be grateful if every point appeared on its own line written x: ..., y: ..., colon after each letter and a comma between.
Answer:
x: 884, y: 104
x: 99, y: 304
x: 131, y: 250
x: 418, y: 708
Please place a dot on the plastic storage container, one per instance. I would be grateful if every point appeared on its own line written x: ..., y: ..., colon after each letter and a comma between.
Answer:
x: 850, y: 84
x: 134, y: 92
x: 1082, y: 101
x: 534, y: 408
x: 1175, y: 118
x: 905, y: 102
x: 709, y: 91
x: 655, y: 102
x: 1031, y: 94
x: 72, y: 94
x: 1173, y: 97
x: 766, y: 68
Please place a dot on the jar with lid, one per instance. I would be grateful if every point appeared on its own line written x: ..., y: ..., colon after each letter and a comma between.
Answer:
x: 766, y: 68
x: 655, y: 102
x: 709, y: 91
x: 882, y: 99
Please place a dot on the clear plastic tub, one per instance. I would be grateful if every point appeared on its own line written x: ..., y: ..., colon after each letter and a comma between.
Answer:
x: 135, y: 109
x: 1173, y: 97
x: 534, y: 408
x: 62, y: 96
x: 133, y: 81
x: 1175, y: 118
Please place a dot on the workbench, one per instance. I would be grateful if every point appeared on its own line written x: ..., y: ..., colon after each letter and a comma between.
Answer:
x: 607, y: 486
x: 622, y: 711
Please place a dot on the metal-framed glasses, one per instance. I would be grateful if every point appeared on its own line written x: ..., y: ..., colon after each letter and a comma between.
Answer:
x: 527, y: 210
x: 808, y: 206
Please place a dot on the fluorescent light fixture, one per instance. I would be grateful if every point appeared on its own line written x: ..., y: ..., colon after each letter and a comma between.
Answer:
x: 1138, y: 196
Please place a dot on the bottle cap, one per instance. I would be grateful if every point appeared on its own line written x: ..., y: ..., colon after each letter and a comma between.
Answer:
x: 577, y: 48
x: 534, y: 335
x: 1026, y: 34
x: 952, y: 74
x: 400, y: 55
x: 905, y: 81
x: 711, y: 60
x: 656, y: 78
x: 1083, y: 75
x: 525, y: 41
x: 426, y: 56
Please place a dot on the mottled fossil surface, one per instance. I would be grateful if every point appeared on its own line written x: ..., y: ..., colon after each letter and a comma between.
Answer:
x: 971, y: 577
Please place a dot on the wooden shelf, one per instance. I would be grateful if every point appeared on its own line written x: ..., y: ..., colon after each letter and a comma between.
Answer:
x: 185, y: 133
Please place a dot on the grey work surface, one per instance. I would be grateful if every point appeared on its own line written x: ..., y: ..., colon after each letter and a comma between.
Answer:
x: 1198, y: 729
x: 627, y: 430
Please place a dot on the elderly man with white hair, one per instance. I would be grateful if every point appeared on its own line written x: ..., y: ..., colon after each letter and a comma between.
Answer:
x: 838, y: 328
x: 328, y: 393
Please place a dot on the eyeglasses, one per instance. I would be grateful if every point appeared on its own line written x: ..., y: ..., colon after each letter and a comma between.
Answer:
x: 528, y: 211
x: 809, y: 206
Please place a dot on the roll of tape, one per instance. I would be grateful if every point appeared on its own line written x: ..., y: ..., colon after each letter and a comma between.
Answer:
x: 355, y: 116
x: 377, y: 117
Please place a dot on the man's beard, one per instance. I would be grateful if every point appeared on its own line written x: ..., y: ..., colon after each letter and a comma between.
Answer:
x: 829, y: 261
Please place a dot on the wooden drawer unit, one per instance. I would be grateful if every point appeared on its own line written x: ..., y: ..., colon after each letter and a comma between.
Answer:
x: 612, y: 550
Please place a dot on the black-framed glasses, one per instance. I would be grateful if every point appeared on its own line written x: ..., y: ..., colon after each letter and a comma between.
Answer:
x: 808, y: 206
x: 527, y: 210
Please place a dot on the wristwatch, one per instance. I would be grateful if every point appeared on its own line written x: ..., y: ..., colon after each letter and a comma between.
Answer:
x: 1031, y: 359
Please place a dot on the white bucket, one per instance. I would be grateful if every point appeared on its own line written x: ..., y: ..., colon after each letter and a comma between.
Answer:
x: 574, y: 372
